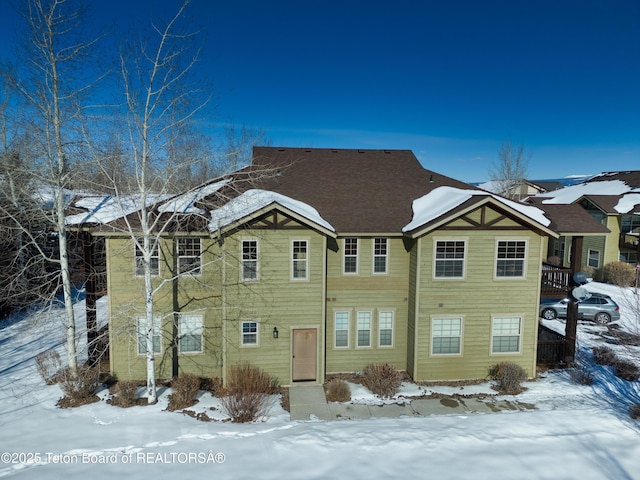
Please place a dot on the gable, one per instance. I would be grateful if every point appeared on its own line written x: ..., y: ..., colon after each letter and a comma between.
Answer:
x: 486, y: 217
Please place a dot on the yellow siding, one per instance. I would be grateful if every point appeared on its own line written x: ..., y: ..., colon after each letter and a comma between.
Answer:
x: 475, y: 299
x: 612, y: 242
x: 366, y: 291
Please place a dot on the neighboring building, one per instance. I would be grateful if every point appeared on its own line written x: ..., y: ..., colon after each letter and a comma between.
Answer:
x: 612, y: 199
x: 320, y: 261
x: 522, y: 190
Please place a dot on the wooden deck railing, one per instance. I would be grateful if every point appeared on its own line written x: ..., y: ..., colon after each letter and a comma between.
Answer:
x: 555, y: 281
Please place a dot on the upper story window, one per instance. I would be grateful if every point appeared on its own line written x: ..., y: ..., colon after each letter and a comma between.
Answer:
x: 630, y: 223
x: 300, y: 260
x: 510, y: 258
x: 154, y: 262
x: 594, y: 258
x: 449, y: 258
x: 249, y: 260
x: 380, y: 253
x: 350, y: 255
x: 189, y: 255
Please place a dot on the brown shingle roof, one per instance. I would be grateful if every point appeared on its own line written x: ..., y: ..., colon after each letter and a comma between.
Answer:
x: 357, y: 191
x: 630, y: 177
x: 571, y: 219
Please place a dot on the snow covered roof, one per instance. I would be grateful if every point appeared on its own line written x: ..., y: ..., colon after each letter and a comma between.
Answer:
x: 253, y: 200
x: 106, y: 208
x: 629, y: 196
x: 185, y: 203
x: 444, y: 199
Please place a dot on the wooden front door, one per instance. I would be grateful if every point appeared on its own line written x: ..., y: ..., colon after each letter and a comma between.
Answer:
x: 305, y: 347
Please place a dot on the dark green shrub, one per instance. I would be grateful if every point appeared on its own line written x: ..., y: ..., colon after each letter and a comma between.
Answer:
x: 619, y: 273
x: 382, y: 379
x: 508, y: 377
x: 337, y: 390
x: 245, y: 397
x: 184, y: 390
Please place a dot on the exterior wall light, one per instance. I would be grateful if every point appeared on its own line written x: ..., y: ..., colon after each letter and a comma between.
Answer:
x: 275, y: 332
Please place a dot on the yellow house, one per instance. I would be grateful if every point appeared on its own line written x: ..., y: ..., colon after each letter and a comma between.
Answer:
x: 320, y: 261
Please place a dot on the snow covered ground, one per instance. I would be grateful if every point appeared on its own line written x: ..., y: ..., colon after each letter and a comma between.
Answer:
x: 575, y: 431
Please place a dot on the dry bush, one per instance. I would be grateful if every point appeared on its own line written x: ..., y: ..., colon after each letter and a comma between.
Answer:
x: 213, y: 385
x: 125, y: 394
x: 246, y: 395
x: 48, y: 365
x: 634, y: 411
x: 626, y: 370
x: 603, y: 355
x: 184, y: 390
x: 619, y: 273
x: 382, y: 379
x: 508, y: 377
x: 80, y: 388
x: 581, y: 375
x: 337, y: 390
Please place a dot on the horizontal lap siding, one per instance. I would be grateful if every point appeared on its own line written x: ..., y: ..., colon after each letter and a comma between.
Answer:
x: 368, y: 292
x: 198, y: 295
x: 275, y: 300
x: 476, y: 299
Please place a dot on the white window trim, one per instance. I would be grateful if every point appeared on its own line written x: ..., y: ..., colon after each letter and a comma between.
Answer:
x: 447, y: 317
x: 495, y: 317
x: 393, y: 327
x: 180, y: 334
x: 155, y: 246
x: 589, y: 258
x: 357, y: 329
x: 242, y: 279
x: 525, y: 260
x: 307, y: 274
x: 357, y: 255
x: 191, y: 272
x: 373, y: 256
x: 335, y: 330
x: 157, y: 324
x: 465, y: 240
x: 242, y: 334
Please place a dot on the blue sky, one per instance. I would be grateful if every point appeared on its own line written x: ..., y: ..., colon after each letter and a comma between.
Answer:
x: 449, y: 80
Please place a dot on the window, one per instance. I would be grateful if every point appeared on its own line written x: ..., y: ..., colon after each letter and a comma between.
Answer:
x: 629, y: 223
x: 189, y: 251
x: 350, y: 255
x: 154, y: 262
x: 511, y: 255
x: 379, y: 255
x: 190, y: 333
x: 342, y: 329
x: 142, y: 336
x: 364, y: 329
x: 446, y: 334
x: 299, y: 260
x: 249, y: 333
x: 449, y: 259
x: 249, y: 260
x: 385, y: 329
x: 505, y: 335
x: 594, y: 258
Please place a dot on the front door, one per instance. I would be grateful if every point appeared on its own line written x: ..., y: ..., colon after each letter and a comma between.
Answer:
x: 305, y: 349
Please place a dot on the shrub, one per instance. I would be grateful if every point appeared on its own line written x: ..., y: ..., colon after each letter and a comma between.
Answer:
x: 80, y: 388
x: 603, y: 356
x: 246, y: 395
x: 48, y: 365
x: 634, y: 411
x: 619, y: 273
x: 125, y: 394
x: 508, y: 376
x: 382, y: 379
x: 626, y: 370
x: 581, y: 375
x: 185, y: 388
x: 337, y: 390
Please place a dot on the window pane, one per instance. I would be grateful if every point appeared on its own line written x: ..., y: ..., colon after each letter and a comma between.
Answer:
x: 511, y: 257
x: 142, y: 335
x: 350, y: 255
x: 506, y: 335
x: 153, y: 262
x: 300, y: 259
x: 364, y: 329
x: 446, y: 334
x: 249, y: 333
x: 249, y: 260
x: 450, y: 259
x: 189, y: 251
x: 380, y: 255
x: 342, y: 329
x: 385, y: 325
x: 190, y: 333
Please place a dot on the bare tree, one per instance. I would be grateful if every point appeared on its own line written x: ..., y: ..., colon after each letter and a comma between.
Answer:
x: 51, y: 81
x: 509, y: 171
